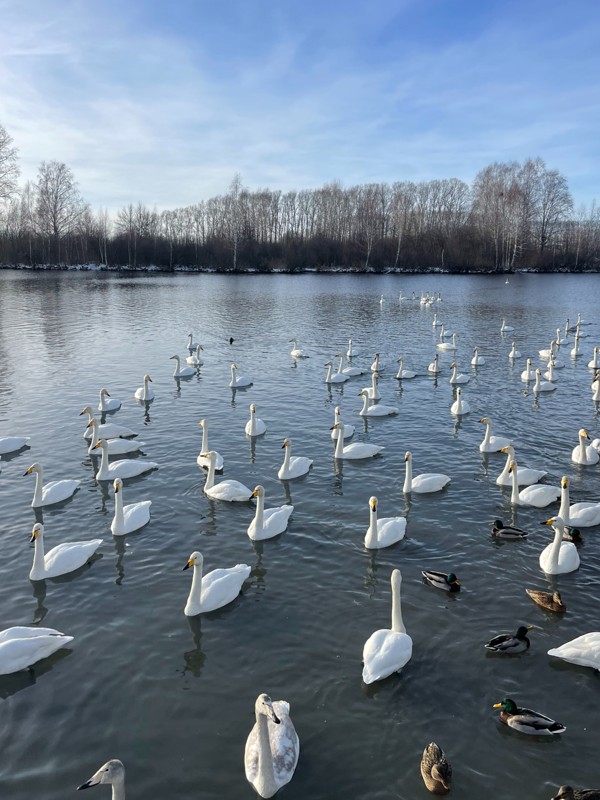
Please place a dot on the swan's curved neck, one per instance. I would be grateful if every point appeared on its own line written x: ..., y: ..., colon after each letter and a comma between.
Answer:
x: 37, y: 492
x: 210, y: 477
x: 365, y: 403
x: 196, y: 589
x: 339, y: 442
x: 595, y: 359
x: 204, y: 439
x: 504, y: 474
x: 371, y: 538
x: 94, y: 440
x: 102, y: 403
x: 286, y: 458
x: 488, y: 431
x: 596, y: 387
x: 104, y: 462
x: 408, y: 477
x: 340, y: 365
x: 554, y: 553
x: 514, y: 496
x: 537, y: 382
x: 177, y: 365
x: 260, y: 511
x: 118, y: 790
x: 265, y: 758
x: 397, y: 621
x: 400, y: 366
x: 374, y: 381
x: 253, y: 421
x: 119, y: 517
x: 328, y: 377
x: 565, y: 503
x: 454, y: 372
x: 145, y: 394
x: 583, y: 449
x: 38, y: 555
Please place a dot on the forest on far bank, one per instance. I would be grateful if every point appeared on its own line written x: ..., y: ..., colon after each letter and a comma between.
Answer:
x: 513, y: 216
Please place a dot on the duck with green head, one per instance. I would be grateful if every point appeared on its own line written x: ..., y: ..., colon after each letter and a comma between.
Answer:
x: 442, y: 580
x: 509, y: 643
x: 527, y: 721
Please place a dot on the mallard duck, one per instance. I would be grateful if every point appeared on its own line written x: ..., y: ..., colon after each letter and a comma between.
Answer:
x: 568, y: 793
x: 502, y: 531
x: 549, y: 600
x: 527, y: 721
x: 442, y: 580
x: 435, y: 769
x: 507, y: 643
x: 571, y: 534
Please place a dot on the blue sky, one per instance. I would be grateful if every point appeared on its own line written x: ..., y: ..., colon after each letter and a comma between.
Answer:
x: 163, y: 102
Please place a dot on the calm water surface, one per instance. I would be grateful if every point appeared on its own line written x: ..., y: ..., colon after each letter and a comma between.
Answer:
x: 173, y: 697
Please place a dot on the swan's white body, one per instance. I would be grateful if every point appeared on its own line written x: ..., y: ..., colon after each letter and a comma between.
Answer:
x: 562, y: 340
x: 296, y: 352
x: 559, y: 557
x: 52, y: 492
x: 584, y: 650
x: 504, y: 328
x: 425, y: 483
x: 110, y: 404
x: 196, y: 359
x: 549, y: 352
x: 388, y: 650
x: 350, y: 371
x: 10, y: 444
x: 123, y: 468
x: 215, y: 589
x: 129, y: 518
x: 581, y: 515
x: 112, y: 773
x: 435, y: 322
x: 202, y: 460
x: 549, y: 375
x: 238, y: 382
x: 514, y: 353
x: 593, y: 364
x: 191, y: 344
x: 268, y: 522
x: 542, y: 386
x: 115, y: 446
x: 584, y: 454
x: 351, y: 352
x: 355, y: 450
x: 460, y: 406
x: 477, y: 360
x: 457, y: 377
x: 293, y: 467
x: 21, y: 646
x: 377, y: 365
x: 107, y: 430
x: 576, y: 352
x: 404, y: 374
x: 145, y: 392
x: 492, y: 444
x: 255, y: 426
x: 334, y: 378
x: 348, y: 430
x: 383, y: 532
x: 538, y: 495
x: 379, y: 410
x: 528, y: 373
x: 445, y: 334
x: 62, y: 559
x: 434, y: 366
x: 596, y: 390
x: 525, y: 475
x: 272, y: 747
x: 448, y: 345
x: 182, y: 372
x: 229, y: 490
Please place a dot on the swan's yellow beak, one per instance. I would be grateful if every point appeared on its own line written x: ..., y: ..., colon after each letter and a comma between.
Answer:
x: 548, y: 521
x: 565, y: 482
x: 34, y: 535
x: 512, y: 466
x: 255, y: 493
x: 28, y: 472
x: 373, y: 503
x: 116, y: 488
x: 189, y: 564
x: 504, y: 449
x: 98, y: 444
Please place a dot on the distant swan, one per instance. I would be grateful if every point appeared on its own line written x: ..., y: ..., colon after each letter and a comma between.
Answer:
x: 107, y: 430
x: 460, y: 406
x: 424, y: 483
x: 191, y: 344
x: 350, y: 371
x: 272, y: 747
x: 448, y: 345
x: 292, y: 467
x: 492, y: 444
x: 539, y: 495
x: 10, y: 444
x: 348, y: 429
x: 528, y: 374
x: 296, y: 352
x: 123, y: 468
x: 379, y: 410
x: 268, y: 522
x: 583, y: 515
x: 477, y: 360
x: 377, y: 365
x: 404, y: 374
x: 62, y: 559
x: 196, y: 360
x: 52, y: 492
x: 331, y: 378
x: 504, y: 328
x: 229, y: 490
x: 202, y: 460
x: 383, y: 532
x: 255, y: 426
x: 145, y: 392
x: 526, y: 476
x: 351, y: 352
x: 238, y: 383
x: 542, y: 386
x: 388, y: 650
x: 593, y: 364
x: 22, y: 646
x: 129, y: 518
x: 456, y: 377
x: 434, y: 366
x: 559, y: 557
x: 355, y: 450
x: 116, y: 446
x: 584, y: 454
x: 112, y: 404
x: 182, y: 372
x: 215, y: 589
x: 514, y: 353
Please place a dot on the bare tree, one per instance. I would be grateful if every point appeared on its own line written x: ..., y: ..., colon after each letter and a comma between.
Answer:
x: 9, y: 169
x: 59, y: 203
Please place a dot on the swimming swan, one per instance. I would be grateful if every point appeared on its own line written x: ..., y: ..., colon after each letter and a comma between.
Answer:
x: 593, y: 364
x: 272, y: 747
x: 539, y: 495
x: 182, y: 372
x: 528, y: 374
x: 267, y: 522
x: 526, y: 476
x: 50, y: 493
x: 584, y: 454
x: 355, y: 450
x: 215, y: 589
x: 424, y: 483
x: 202, y: 460
x: 434, y: 366
x: 296, y: 352
x: 388, y: 650
x: 558, y: 557
x: 334, y: 378
x: 238, y: 383
x: 514, y: 353
x: 21, y: 646
x: 448, y: 345
x: 255, y: 426
x: 107, y: 430
x: 373, y: 390
x: 113, y: 773
x: 477, y: 360
x: 549, y: 375
x: 584, y: 650
x: 583, y: 515
x: 377, y: 365
x: 460, y: 406
x: 350, y: 371
x: 63, y: 558
x: 195, y: 360
x: 348, y: 429
x: 131, y: 517
x: 492, y: 444
x: 504, y: 328
x: 542, y: 386
x: 229, y: 490
x: 404, y: 374
x: 383, y: 532
x: 112, y: 404
x: 116, y: 446
x: 145, y: 392
x: 10, y: 444
x: 123, y: 468
x: 456, y: 377
x: 351, y: 352
x: 292, y: 467
x: 379, y: 410
x: 191, y: 344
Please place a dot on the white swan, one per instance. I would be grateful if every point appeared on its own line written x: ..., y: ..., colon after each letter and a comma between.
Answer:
x: 434, y: 366
x: 107, y: 430
x: 584, y: 650
x: 593, y: 364
x: 526, y: 476
x: 448, y: 345
x: 272, y: 747
x: 215, y: 589
x: 355, y: 450
x: 492, y: 444
x: 115, y: 446
x: 379, y: 410
x: 112, y: 404
x: 131, y: 517
x: 549, y: 352
x: 456, y: 377
x: 351, y: 352
x: 542, y: 386
x: 268, y: 522
x: 436, y: 322
x: 373, y: 390
x: 21, y: 646
x: 238, y: 382
x: 296, y: 352
x: 424, y: 483
x: 404, y: 374
x: 255, y: 426
x: 348, y: 430
x: 539, y: 495
x: 576, y: 352
x: 584, y: 454
x: 191, y: 344
x: 445, y: 334
x: 559, y: 556
x: 549, y: 375
x: 562, y: 340
x: 477, y: 360
x: 63, y: 558
x: 331, y: 378
x: 377, y: 365
x: 504, y: 328
x: 514, y: 353
x: 123, y: 468
x: 52, y: 492
x: 292, y: 467
x: 10, y: 444
x: 202, y: 460
x: 196, y: 359
x: 145, y: 392
x: 113, y: 773
x: 383, y: 532
x: 350, y: 371
x: 229, y: 490
x: 388, y: 650
x: 182, y: 372
x: 596, y: 389
x: 528, y: 374
x: 460, y: 406
x: 582, y: 515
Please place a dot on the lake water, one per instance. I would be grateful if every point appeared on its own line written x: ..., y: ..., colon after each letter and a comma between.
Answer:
x: 173, y: 697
